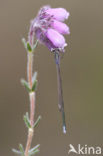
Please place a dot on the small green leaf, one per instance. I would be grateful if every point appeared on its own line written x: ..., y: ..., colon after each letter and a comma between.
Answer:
x: 27, y: 115
x: 34, y: 80
x: 27, y: 121
x: 21, y: 152
x: 34, y: 150
x: 16, y: 151
x: 21, y: 149
x: 34, y: 85
x: 26, y: 85
x: 29, y: 47
x: 34, y: 77
x: 37, y: 121
x: 35, y: 45
x: 24, y: 42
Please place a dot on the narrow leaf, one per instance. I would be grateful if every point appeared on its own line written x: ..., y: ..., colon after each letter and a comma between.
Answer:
x: 34, y: 80
x: 37, y: 121
x: 16, y: 151
x: 27, y: 115
x: 27, y: 121
x: 34, y: 76
x: 34, y: 148
x: 25, y: 84
x: 35, y: 45
x: 29, y: 47
x: 24, y: 43
x: 21, y: 149
x: 34, y: 152
x: 34, y: 85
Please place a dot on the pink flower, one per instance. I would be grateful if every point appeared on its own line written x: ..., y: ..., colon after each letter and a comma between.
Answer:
x: 60, y: 27
x: 49, y: 28
x: 56, y: 38
x: 58, y: 13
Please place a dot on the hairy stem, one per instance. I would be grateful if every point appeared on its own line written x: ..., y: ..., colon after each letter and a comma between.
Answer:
x: 32, y: 103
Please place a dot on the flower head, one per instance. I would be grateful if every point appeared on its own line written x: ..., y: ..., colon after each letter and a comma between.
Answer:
x: 49, y: 28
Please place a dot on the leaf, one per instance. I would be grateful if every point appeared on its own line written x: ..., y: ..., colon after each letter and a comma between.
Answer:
x: 37, y: 121
x: 29, y: 48
x: 24, y: 43
x: 35, y: 45
x: 21, y: 149
x: 27, y: 115
x: 34, y: 81
x: 27, y: 121
x: 26, y: 85
x: 34, y: 76
x: 16, y: 151
x: 21, y: 152
x: 34, y: 85
x: 34, y: 150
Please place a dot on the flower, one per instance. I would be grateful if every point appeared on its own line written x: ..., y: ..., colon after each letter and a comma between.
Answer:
x: 59, y: 14
x: 60, y: 27
x: 56, y: 38
x: 49, y: 28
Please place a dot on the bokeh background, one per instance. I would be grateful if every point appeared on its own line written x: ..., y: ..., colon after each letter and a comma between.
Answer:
x: 82, y: 74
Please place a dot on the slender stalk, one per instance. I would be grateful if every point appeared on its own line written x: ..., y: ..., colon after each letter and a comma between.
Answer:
x: 29, y: 140
x: 29, y: 68
x: 32, y: 103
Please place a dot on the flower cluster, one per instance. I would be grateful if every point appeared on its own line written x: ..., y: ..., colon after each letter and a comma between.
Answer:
x: 49, y: 28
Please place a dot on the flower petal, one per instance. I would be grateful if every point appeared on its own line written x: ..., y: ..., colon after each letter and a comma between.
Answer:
x: 44, y: 40
x: 60, y: 27
x: 39, y: 35
x: 49, y: 45
x: 57, y: 39
x: 58, y: 13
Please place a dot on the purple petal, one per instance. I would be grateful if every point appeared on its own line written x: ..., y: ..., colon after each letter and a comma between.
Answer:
x: 60, y: 27
x: 44, y: 40
x: 57, y: 39
x: 49, y: 45
x: 39, y: 35
x: 58, y: 13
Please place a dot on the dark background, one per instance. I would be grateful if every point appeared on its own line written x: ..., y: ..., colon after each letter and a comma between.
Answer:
x: 82, y: 74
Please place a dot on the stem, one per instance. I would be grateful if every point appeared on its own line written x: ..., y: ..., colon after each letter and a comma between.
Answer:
x: 32, y: 103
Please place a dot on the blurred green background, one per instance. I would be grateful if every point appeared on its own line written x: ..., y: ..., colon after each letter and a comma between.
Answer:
x: 82, y: 74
